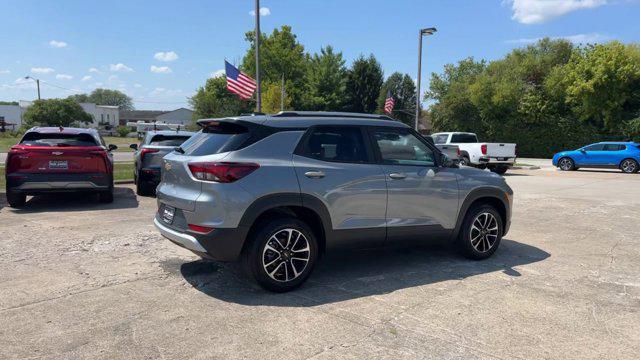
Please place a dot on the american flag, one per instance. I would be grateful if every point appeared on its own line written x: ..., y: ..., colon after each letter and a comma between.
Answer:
x: 389, y: 103
x: 238, y: 82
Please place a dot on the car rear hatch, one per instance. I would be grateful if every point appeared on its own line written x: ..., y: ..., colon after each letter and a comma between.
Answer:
x: 178, y: 186
x: 159, y: 146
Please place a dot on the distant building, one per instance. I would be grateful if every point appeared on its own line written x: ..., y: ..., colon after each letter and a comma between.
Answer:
x: 102, y: 115
x: 179, y: 116
x: 12, y: 116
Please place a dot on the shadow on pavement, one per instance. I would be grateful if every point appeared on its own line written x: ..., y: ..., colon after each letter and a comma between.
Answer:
x: 350, y: 275
x: 123, y: 198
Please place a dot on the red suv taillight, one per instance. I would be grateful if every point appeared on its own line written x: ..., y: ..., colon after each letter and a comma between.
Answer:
x: 222, y: 172
x: 13, y: 163
x: 146, y: 151
x: 483, y: 148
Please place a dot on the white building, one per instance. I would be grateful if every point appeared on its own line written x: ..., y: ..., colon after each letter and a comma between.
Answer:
x: 101, y: 114
x: 12, y: 116
x: 179, y: 116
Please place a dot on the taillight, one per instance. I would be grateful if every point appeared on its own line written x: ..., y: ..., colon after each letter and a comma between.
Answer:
x: 458, y: 152
x: 200, y: 229
x: 145, y: 151
x: 222, y: 172
x: 105, y: 158
x: 13, y: 162
x: 483, y: 148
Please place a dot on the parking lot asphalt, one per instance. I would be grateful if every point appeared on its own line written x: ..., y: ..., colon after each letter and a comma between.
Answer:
x: 79, y: 279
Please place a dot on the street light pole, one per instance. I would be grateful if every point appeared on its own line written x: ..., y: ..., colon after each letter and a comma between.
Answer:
x: 37, y: 84
x: 427, y: 31
x: 258, y: 88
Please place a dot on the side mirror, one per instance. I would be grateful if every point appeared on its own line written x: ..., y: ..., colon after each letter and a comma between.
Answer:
x: 112, y: 147
x: 134, y: 146
x: 583, y: 151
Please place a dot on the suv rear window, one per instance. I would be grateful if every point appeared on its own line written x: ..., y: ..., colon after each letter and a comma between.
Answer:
x: 168, y: 140
x: 216, y: 138
x: 61, y: 140
x: 464, y: 138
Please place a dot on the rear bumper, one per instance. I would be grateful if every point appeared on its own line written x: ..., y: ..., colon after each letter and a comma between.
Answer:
x: 497, y: 160
x: 150, y: 174
x: 46, y: 183
x: 219, y: 244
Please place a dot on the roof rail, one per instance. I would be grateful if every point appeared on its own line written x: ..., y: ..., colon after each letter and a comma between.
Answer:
x: 331, y: 114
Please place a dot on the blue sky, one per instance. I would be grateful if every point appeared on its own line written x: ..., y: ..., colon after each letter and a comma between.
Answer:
x: 159, y: 52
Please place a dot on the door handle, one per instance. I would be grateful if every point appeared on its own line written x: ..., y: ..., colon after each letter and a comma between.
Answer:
x: 316, y: 174
x: 398, y: 176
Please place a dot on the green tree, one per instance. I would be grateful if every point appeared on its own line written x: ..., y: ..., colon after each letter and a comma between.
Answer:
x: 55, y: 112
x: 280, y: 54
x: 326, y: 81
x: 105, y: 97
x: 272, y: 98
x: 8, y: 103
x: 364, y: 80
x: 214, y: 100
x: 403, y: 90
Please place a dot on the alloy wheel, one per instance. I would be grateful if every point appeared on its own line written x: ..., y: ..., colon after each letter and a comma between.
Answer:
x: 286, y: 255
x: 484, y: 232
x: 628, y: 166
x: 566, y: 164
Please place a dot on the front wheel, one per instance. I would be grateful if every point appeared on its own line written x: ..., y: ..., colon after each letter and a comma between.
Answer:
x: 282, y: 254
x: 629, y: 166
x: 566, y: 164
x: 481, y: 232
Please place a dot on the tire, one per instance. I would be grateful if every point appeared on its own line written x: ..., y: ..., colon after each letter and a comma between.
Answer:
x: 464, y: 161
x: 471, y: 241
x: 267, y: 246
x: 143, y: 189
x: 566, y: 164
x: 629, y: 166
x: 501, y: 170
x: 15, y: 200
x: 106, y: 197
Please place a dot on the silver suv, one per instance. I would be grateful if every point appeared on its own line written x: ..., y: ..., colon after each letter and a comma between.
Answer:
x: 277, y: 191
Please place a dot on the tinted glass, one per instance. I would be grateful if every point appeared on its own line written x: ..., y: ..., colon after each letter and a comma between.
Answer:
x: 61, y: 140
x: 344, y: 144
x: 614, y: 147
x: 440, y: 139
x: 464, y: 138
x: 594, y: 147
x: 403, y: 148
x: 168, y: 140
x: 217, y: 138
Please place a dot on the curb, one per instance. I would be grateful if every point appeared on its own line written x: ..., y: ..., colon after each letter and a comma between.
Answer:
x: 532, y: 167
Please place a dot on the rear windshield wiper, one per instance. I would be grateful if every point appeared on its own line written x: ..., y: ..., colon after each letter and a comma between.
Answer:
x: 179, y: 149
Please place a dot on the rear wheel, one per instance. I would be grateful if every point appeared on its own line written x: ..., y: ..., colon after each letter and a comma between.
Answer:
x: 566, y: 164
x: 481, y: 232
x: 16, y: 200
x: 281, y: 255
x: 464, y: 161
x: 143, y: 189
x: 629, y: 166
x: 499, y: 169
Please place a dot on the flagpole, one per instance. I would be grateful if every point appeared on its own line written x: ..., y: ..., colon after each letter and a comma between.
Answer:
x: 258, y: 89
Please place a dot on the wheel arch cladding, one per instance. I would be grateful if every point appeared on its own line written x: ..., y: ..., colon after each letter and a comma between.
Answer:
x: 491, y: 196
x: 300, y: 206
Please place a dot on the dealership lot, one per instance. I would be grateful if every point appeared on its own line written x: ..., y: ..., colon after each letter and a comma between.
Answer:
x: 83, y: 279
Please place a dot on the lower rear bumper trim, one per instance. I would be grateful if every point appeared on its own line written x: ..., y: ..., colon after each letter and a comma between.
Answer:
x: 184, y: 240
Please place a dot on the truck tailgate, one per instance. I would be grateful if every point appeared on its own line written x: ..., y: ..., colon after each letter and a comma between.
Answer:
x: 501, y: 150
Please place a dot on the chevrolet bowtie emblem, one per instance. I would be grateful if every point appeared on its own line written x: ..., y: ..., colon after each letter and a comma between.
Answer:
x: 167, y: 166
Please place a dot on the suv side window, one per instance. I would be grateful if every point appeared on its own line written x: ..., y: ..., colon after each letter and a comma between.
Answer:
x: 401, y: 147
x: 441, y: 139
x: 614, y: 147
x: 336, y: 143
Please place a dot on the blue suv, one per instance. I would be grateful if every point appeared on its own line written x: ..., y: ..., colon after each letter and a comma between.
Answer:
x: 615, y: 155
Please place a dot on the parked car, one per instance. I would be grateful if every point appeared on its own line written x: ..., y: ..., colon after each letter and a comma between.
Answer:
x: 148, y: 157
x: 497, y: 157
x: 614, y: 155
x: 52, y: 159
x: 277, y: 191
x: 452, y: 152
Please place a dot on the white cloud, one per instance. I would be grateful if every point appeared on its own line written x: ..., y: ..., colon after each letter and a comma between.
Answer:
x: 538, y: 11
x: 120, y: 67
x: 164, y: 92
x: 218, y: 73
x: 64, y: 77
x: 42, y: 70
x: 264, y: 11
x: 57, y: 44
x: 5, y: 72
x: 591, y: 38
x: 160, y: 69
x: 94, y: 70
x: 137, y: 86
x: 86, y: 78
x: 166, y: 56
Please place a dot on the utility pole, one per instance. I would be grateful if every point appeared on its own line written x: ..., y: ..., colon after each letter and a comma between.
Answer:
x: 37, y: 84
x: 427, y: 31
x: 258, y: 89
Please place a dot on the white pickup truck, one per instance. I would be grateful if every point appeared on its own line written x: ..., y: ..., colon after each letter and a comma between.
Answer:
x: 497, y: 157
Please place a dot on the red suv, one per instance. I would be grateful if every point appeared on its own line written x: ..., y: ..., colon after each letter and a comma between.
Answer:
x: 52, y: 159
